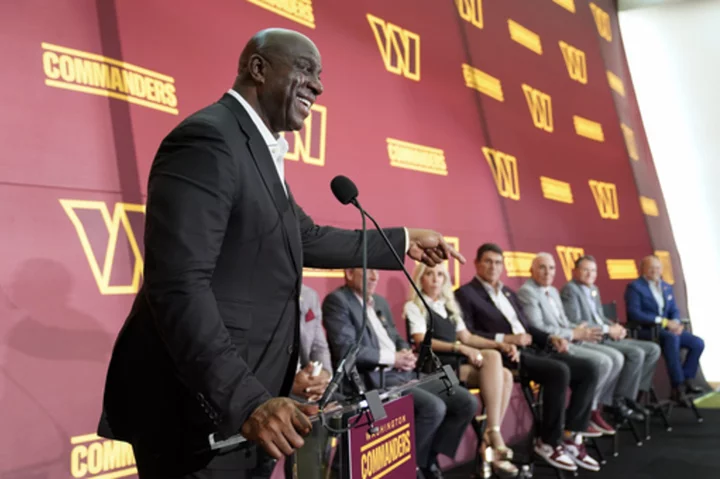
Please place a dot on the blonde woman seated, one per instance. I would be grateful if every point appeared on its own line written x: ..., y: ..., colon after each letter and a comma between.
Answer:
x: 481, y: 361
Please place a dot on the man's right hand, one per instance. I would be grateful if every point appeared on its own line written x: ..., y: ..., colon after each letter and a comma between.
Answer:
x: 276, y: 425
x: 307, y: 386
x: 584, y: 333
x: 405, y: 360
x: 520, y: 340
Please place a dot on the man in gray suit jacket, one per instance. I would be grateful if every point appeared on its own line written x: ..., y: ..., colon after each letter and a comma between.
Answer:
x: 543, y: 307
x: 582, y: 304
x: 313, y: 350
x: 440, y: 419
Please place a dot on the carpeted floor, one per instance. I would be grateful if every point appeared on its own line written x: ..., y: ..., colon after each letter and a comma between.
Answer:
x: 689, y: 451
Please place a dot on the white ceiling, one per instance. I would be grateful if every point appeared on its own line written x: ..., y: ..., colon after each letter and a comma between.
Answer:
x: 629, y: 4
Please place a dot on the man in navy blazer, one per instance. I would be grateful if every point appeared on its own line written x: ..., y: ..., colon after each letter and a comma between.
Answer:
x: 650, y: 300
x: 493, y: 311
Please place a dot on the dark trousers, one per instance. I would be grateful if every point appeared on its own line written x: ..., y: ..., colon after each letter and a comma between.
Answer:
x: 557, y: 372
x: 671, y: 344
x: 440, y: 421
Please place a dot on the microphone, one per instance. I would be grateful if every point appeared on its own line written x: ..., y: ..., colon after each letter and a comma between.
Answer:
x: 346, y: 192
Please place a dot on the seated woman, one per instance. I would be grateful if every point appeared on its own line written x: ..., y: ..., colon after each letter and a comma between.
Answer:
x: 480, y: 359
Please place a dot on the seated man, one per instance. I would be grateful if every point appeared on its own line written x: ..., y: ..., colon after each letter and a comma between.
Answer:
x: 314, y: 368
x: 314, y: 371
x: 582, y: 304
x: 649, y: 300
x: 492, y: 310
x: 440, y: 420
x: 543, y: 308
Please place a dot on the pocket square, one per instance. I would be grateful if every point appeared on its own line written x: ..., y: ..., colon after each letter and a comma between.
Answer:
x: 309, y: 316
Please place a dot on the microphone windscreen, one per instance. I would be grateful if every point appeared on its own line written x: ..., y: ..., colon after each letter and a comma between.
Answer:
x: 344, y: 189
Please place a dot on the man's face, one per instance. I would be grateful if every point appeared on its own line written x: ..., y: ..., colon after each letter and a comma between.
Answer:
x: 652, y: 269
x: 292, y: 84
x: 543, y: 270
x: 586, y: 272
x: 353, y: 278
x: 490, y: 266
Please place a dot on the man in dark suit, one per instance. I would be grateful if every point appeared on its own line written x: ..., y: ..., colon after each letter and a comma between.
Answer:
x: 493, y: 311
x: 210, y: 345
x: 440, y: 419
x: 649, y: 300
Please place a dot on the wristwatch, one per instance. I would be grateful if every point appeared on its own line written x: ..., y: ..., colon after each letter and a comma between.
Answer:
x: 456, y: 346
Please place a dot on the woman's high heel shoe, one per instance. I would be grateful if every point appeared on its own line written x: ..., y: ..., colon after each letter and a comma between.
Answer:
x: 504, y: 452
x: 496, y: 460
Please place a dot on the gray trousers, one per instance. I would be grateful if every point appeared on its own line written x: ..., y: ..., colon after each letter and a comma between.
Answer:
x: 625, y: 366
x: 641, y: 357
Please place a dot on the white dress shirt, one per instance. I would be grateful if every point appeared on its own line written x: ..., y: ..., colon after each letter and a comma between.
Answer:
x: 597, y: 315
x: 418, y: 322
x: 278, y: 147
x: 656, y: 290
x: 502, y: 303
x: 387, y: 346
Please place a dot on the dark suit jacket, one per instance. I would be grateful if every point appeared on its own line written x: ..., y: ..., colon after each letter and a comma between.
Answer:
x: 483, y: 318
x: 641, y: 306
x: 342, y: 318
x: 213, y: 331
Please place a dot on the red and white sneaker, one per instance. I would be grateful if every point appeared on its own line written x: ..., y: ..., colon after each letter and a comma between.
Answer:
x: 598, y: 422
x: 555, y: 456
x: 575, y: 448
x: 591, y: 431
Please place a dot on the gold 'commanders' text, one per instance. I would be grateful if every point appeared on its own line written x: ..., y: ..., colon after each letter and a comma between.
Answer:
x: 99, y: 75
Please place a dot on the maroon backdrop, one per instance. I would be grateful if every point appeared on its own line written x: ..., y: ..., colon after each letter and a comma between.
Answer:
x: 494, y: 120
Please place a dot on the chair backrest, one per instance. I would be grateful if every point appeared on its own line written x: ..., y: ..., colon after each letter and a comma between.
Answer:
x: 610, y: 310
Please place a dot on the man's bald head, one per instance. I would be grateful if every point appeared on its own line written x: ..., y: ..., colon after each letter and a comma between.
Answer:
x: 279, y: 76
x: 274, y: 42
x: 542, y: 269
x: 651, y: 268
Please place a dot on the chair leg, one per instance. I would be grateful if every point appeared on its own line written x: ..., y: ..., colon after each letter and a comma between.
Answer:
x: 659, y: 409
x: 695, y: 410
x: 638, y: 439
x: 601, y: 456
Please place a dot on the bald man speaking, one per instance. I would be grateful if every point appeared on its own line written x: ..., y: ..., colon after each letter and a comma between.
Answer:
x: 211, y: 343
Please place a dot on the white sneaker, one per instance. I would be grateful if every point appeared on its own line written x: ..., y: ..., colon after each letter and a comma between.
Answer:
x: 555, y: 456
x: 575, y: 448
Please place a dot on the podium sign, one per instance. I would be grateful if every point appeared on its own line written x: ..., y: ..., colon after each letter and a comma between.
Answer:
x: 390, y: 452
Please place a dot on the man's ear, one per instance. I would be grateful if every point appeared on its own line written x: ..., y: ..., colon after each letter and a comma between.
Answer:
x: 257, y: 66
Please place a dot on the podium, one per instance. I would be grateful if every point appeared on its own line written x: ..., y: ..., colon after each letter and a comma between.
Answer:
x: 354, y: 439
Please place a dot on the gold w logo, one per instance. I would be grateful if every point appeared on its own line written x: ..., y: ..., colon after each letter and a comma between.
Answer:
x: 400, y: 48
x: 575, y: 62
x: 115, y: 227
x: 602, y: 21
x: 471, y: 11
x: 568, y: 255
x: 308, y: 144
x: 606, y: 199
x: 540, y: 105
x: 453, y: 264
x: 505, y: 172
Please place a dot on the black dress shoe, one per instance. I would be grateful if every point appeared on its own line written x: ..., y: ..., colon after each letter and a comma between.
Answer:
x: 637, y: 407
x: 690, y: 389
x: 627, y: 413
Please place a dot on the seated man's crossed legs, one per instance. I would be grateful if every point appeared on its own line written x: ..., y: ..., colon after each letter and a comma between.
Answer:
x: 560, y: 438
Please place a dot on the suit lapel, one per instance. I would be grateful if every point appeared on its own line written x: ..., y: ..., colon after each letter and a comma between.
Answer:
x: 269, y: 175
x: 356, y: 311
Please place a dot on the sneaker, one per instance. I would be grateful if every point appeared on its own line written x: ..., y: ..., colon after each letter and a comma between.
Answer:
x: 556, y: 457
x: 598, y: 422
x: 591, y: 431
x: 575, y: 448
